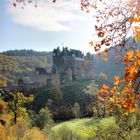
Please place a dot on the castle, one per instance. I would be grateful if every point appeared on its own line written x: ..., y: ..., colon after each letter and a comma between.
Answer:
x: 68, y: 65
x: 72, y: 65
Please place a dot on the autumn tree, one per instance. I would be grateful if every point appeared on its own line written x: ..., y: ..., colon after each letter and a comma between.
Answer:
x: 5, y: 116
x: 125, y: 92
x: 116, y: 21
x: 16, y: 103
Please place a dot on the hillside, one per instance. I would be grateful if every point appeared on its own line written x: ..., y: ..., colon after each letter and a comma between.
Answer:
x: 69, y: 93
x: 110, y: 68
x: 13, y: 65
x: 21, y: 63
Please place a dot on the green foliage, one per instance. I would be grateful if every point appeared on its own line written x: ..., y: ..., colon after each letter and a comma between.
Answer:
x: 41, y: 98
x: 44, y: 119
x: 56, y: 94
x: 63, y: 113
x: 8, y: 68
x: 61, y: 99
x: 93, y: 106
x: 24, y: 52
x: 76, y: 110
x: 65, y: 133
x: 50, y: 96
x: 92, y: 89
x: 74, y: 92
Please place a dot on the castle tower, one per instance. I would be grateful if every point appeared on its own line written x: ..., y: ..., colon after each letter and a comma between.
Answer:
x: 73, y: 65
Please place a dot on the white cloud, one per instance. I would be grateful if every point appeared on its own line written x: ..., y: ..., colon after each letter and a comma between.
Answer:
x: 48, y: 16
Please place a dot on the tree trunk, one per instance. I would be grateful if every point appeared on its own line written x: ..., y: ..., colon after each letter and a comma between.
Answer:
x: 15, y: 117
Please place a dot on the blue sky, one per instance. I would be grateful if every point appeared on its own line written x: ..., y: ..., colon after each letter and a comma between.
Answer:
x: 45, y: 27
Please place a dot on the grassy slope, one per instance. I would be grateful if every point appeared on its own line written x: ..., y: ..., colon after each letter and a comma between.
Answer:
x: 83, y: 129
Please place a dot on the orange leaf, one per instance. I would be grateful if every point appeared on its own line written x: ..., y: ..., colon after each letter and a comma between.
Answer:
x: 105, y: 52
x: 116, y: 63
x: 110, y: 110
x: 116, y: 80
x: 115, y: 55
x: 129, y: 55
x: 119, y: 106
x: 101, y: 99
x: 137, y: 33
x: 105, y: 86
x: 137, y: 55
x: 112, y: 90
x: 125, y: 106
x: 132, y: 109
x: 105, y: 59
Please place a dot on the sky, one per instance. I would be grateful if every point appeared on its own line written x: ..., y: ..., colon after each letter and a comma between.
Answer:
x: 45, y: 27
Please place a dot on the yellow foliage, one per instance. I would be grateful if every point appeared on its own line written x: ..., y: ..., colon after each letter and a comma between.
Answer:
x: 135, y: 18
x: 137, y: 33
x: 2, y: 131
x: 16, y: 105
x: 132, y: 109
x: 137, y: 55
x: 22, y: 132
x: 116, y: 80
x: 112, y: 100
x: 128, y: 55
x: 3, y: 106
x: 91, y: 43
x: 34, y: 134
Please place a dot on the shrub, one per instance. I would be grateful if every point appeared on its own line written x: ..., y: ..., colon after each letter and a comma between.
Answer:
x: 63, y: 113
